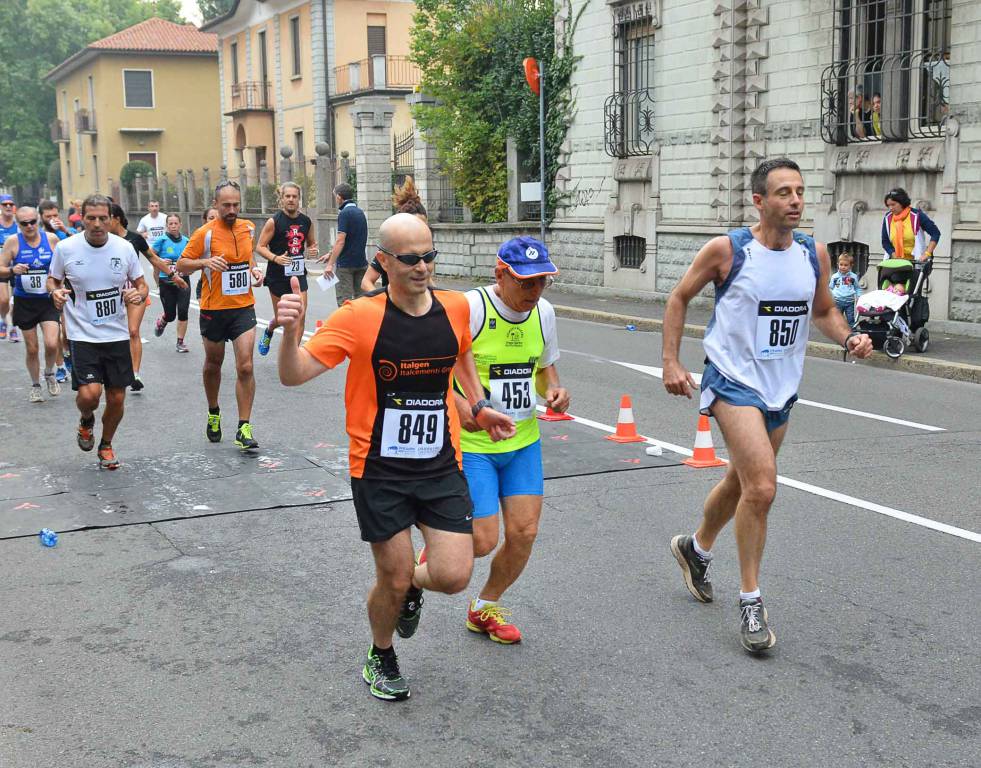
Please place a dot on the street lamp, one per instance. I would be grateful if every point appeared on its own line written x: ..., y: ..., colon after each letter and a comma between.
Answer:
x: 536, y: 82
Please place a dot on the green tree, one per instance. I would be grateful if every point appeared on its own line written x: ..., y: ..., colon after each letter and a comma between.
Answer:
x: 35, y: 36
x: 470, y: 54
x: 212, y: 9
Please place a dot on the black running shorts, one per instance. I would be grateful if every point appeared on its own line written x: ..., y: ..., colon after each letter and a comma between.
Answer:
x: 279, y: 287
x: 385, y: 507
x: 107, y: 363
x: 220, y: 325
x: 29, y: 312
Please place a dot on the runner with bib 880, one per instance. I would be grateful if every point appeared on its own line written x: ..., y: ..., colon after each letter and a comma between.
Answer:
x: 770, y: 282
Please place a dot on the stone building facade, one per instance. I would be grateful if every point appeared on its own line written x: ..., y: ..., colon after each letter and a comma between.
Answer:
x: 678, y: 102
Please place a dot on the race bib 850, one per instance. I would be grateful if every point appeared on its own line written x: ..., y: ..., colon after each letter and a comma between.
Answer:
x: 779, y: 328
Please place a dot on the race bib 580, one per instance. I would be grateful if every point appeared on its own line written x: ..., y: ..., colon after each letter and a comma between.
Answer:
x: 236, y: 280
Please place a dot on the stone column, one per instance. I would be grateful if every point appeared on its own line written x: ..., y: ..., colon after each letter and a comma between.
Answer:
x: 286, y: 164
x: 192, y: 190
x: 372, y: 117
x: 425, y: 164
x: 263, y: 181
x: 323, y: 179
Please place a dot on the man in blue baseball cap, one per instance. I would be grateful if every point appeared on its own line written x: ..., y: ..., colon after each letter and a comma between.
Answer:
x: 515, y: 347
x: 8, y: 228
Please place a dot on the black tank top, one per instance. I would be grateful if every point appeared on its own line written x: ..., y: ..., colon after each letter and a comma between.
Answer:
x: 289, y: 237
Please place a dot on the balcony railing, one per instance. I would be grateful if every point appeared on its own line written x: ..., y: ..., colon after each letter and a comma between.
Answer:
x: 251, y: 94
x: 59, y: 131
x: 85, y: 121
x: 912, y: 91
x: 376, y: 74
x: 628, y: 123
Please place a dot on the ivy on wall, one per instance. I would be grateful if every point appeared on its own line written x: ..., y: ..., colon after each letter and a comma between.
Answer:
x: 470, y: 55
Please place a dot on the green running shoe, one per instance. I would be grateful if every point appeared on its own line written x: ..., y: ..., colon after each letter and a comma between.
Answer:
x: 214, y: 427
x: 244, y: 439
x: 381, y: 673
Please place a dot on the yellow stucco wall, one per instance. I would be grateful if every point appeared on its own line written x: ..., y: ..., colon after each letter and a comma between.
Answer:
x: 296, y: 112
x: 351, y: 22
x: 185, y: 108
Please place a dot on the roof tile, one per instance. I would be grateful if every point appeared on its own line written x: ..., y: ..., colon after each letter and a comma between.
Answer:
x: 159, y: 35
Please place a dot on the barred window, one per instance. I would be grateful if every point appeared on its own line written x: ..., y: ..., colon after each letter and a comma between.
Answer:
x: 890, y: 80
x: 630, y: 251
x: 629, y: 112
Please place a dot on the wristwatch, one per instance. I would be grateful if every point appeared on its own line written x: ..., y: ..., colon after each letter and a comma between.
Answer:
x: 479, y: 406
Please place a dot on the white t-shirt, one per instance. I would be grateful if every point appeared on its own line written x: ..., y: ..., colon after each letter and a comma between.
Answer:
x: 550, y: 355
x: 97, y: 276
x: 153, y: 226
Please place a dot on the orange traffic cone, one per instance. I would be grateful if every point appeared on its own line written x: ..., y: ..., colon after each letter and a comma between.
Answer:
x: 551, y: 415
x: 626, y: 429
x: 704, y: 453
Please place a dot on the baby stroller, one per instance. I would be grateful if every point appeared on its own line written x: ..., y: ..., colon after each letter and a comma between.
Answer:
x: 895, y: 315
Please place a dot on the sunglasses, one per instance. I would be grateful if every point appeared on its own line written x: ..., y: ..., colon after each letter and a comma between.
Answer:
x: 531, y: 283
x: 227, y: 183
x: 7, y: 205
x: 411, y: 259
x: 28, y: 223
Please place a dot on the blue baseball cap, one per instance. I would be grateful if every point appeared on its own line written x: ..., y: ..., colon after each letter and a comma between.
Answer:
x: 6, y: 198
x: 526, y: 257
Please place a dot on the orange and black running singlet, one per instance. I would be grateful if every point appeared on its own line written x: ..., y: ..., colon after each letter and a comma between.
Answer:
x: 398, y: 383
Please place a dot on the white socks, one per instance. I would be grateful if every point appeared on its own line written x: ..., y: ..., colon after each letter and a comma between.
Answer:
x: 479, y: 605
x: 754, y: 595
x: 702, y: 553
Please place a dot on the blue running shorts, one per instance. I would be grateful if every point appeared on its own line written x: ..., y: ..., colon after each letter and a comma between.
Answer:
x: 494, y: 476
x: 715, y: 385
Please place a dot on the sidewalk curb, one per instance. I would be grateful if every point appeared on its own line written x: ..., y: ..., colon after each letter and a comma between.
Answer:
x: 913, y: 363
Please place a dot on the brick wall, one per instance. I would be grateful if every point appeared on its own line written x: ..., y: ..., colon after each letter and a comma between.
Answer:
x: 674, y: 255
x: 965, y: 281
x: 470, y: 250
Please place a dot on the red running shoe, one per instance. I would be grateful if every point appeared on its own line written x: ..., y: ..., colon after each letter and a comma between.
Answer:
x: 107, y: 458
x: 492, y: 620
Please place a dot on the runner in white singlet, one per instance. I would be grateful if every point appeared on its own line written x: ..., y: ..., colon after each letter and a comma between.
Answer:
x: 770, y: 283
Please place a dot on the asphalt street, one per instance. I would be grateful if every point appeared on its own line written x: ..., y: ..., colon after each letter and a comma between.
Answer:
x: 236, y: 639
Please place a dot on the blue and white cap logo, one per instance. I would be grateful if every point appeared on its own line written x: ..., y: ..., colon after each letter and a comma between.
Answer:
x: 531, y: 253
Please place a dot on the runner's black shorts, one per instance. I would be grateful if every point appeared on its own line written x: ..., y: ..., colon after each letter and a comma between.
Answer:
x: 219, y: 325
x: 107, y: 363
x: 279, y: 287
x: 385, y: 507
x: 29, y: 312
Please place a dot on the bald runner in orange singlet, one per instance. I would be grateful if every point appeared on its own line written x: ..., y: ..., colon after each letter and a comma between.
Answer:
x: 404, y: 345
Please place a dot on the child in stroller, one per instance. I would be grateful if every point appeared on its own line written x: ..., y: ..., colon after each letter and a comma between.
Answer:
x: 895, y: 315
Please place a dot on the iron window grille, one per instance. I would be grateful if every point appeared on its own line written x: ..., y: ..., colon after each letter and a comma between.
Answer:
x: 858, y: 251
x: 890, y: 80
x: 630, y: 251
x: 628, y: 114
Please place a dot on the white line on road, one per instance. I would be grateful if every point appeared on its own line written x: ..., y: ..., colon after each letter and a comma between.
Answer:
x: 651, y: 370
x: 789, y: 482
x: 871, y: 506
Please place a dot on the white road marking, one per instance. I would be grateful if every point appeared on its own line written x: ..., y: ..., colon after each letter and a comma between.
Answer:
x: 853, y: 501
x: 651, y: 370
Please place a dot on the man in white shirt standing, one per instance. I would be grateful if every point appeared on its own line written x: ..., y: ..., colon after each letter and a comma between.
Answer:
x: 153, y: 226
x: 98, y: 266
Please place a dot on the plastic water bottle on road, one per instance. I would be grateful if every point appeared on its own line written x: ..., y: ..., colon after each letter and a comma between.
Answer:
x: 48, y: 537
